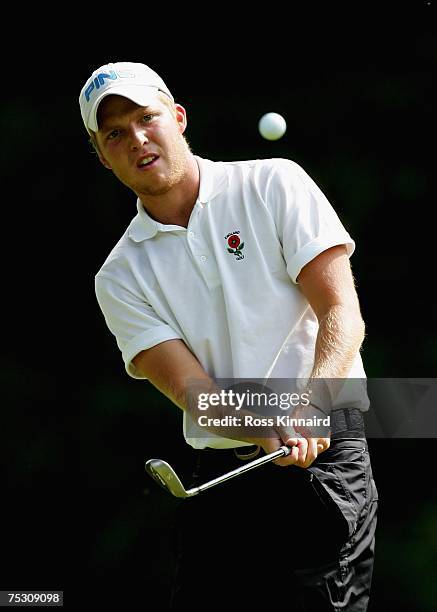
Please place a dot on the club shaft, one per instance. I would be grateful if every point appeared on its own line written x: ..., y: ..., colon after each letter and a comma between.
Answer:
x: 281, y: 452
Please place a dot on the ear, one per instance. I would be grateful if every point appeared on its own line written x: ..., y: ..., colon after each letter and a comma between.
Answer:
x: 95, y: 143
x: 181, y: 117
x: 103, y: 161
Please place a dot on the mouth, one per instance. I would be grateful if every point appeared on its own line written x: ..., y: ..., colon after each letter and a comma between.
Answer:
x: 148, y: 161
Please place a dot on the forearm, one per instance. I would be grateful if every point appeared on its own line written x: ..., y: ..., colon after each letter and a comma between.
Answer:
x: 176, y: 372
x: 339, y: 339
x: 173, y: 369
x: 341, y: 333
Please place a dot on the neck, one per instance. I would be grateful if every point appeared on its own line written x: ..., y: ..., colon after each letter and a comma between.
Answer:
x: 175, y: 206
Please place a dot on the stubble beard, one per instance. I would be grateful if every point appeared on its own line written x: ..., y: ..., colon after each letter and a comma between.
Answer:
x: 177, y: 161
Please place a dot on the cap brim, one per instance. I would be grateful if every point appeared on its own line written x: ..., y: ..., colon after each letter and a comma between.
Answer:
x: 140, y: 94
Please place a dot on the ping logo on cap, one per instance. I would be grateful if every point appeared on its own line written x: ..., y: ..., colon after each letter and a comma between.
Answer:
x: 99, y: 80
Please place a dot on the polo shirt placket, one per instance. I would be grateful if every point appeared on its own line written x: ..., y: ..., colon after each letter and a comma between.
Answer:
x: 201, y: 253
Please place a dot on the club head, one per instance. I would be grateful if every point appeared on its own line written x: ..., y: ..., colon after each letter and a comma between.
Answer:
x: 164, y: 475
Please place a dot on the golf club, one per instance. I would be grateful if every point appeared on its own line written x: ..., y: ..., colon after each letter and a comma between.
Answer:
x: 164, y: 474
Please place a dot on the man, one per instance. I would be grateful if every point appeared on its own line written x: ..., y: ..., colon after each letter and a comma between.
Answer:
x: 240, y: 271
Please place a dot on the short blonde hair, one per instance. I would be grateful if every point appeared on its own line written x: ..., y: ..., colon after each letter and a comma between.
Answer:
x: 169, y: 103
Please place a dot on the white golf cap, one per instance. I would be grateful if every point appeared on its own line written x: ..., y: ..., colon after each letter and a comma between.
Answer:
x: 135, y: 81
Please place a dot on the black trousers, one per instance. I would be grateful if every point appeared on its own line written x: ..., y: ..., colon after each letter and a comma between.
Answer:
x: 298, y: 538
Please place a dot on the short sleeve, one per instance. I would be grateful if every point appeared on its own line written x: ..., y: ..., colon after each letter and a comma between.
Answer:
x: 306, y: 222
x: 133, y: 321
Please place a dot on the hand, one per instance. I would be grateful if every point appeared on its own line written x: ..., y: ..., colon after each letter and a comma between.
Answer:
x: 306, y: 443
x: 304, y: 451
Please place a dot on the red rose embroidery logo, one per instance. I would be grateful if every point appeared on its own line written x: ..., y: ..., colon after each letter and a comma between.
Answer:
x: 235, y: 246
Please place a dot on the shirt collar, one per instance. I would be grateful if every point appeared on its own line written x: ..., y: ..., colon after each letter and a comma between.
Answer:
x: 213, y: 181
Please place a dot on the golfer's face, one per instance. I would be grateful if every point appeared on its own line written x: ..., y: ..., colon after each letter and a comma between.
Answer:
x: 143, y: 146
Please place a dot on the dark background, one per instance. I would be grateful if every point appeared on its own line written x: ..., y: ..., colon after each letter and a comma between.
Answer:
x: 78, y: 513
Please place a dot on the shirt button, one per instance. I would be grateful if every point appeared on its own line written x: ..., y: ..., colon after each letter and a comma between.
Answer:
x: 203, y: 258
x: 191, y: 234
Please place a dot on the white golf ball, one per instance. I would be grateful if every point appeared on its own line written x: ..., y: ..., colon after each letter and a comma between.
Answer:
x: 272, y: 126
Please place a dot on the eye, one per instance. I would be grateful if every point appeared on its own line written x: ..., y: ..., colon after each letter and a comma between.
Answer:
x: 113, y: 134
x: 148, y: 118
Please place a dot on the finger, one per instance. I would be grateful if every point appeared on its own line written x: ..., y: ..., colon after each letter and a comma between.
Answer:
x: 325, y: 443
x: 311, y: 453
x: 302, y: 446
x: 291, y: 458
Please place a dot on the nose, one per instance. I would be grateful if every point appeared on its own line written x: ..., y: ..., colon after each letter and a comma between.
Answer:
x: 138, y: 137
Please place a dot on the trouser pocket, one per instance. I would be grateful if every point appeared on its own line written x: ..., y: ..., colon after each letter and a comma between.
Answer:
x: 343, y: 476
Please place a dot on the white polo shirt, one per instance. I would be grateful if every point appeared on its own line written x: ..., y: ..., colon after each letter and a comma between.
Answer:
x: 226, y: 284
